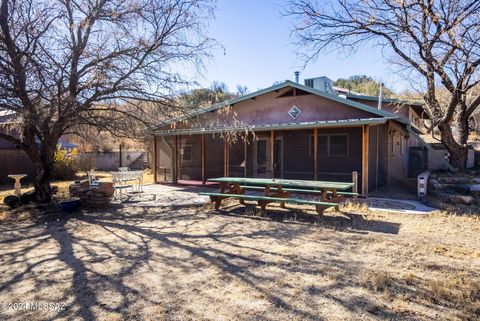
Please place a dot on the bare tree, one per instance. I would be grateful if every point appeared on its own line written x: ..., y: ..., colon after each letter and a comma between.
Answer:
x: 107, y: 63
x: 436, y: 41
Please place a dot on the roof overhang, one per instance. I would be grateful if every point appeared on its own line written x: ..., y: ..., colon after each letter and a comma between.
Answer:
x: 268, y: 127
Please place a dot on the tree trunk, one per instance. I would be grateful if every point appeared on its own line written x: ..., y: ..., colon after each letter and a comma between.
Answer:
x: 458, y: 149
x: 41, y: 183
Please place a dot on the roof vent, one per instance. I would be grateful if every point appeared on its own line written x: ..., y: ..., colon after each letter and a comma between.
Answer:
x: 297, y: 76
x: 321, y: 83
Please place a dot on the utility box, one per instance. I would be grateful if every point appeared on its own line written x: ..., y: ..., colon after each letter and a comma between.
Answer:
x: 422, y: 183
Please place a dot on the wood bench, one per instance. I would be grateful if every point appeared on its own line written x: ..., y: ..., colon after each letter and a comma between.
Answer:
x: 264, y: 200
x: 299, y: 190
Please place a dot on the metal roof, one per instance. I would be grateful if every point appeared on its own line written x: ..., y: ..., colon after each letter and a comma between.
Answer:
x: 387, y: 100
x: 277, y: 87
x: 286, y: 126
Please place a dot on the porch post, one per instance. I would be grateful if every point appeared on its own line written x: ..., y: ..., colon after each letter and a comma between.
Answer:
x: 155, y: 159
x: 245, y: 151
x: 175, y: 160
x: 225, y: 159
x: 315, y: 153
x: 272, y: 152
x: 365, y: 145
x: 203, y: 158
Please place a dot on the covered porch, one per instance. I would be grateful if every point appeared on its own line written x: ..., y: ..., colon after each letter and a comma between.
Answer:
x: 328, y: 151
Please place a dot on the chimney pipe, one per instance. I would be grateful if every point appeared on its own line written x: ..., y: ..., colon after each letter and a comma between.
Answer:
x: 297, y: 75
x: 380, y: 96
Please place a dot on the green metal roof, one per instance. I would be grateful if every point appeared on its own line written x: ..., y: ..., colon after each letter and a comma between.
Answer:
x: 387, y: 100
x: 266, y: 127
x: 285, y: 84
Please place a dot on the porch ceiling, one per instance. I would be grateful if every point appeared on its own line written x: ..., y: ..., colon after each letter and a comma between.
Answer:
x: 265, y: 127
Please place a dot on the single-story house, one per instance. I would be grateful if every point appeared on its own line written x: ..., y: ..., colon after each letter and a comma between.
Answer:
x: 290, y: 130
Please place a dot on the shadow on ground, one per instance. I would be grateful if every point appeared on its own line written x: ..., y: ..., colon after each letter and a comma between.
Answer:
x: 183, y: 263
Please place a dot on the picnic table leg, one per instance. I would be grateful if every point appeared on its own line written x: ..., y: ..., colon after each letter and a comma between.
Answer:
x: 236, y: 189
x: 280, y: 191
x: 319, y: 209
x: 218, y: 200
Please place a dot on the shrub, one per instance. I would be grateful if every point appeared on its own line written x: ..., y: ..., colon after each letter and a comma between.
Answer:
x: 86, y: 162
x: 65, y: 165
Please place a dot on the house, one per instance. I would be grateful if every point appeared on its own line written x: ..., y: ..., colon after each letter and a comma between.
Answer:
x: 294, y: 131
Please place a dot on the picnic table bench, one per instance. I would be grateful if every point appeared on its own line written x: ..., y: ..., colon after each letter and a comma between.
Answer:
x: 279, y: 191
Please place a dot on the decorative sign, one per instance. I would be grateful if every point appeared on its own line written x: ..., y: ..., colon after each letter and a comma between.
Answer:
x: 294, y: 112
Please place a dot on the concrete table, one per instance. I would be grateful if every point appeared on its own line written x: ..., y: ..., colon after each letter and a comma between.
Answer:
x: 18, y: 185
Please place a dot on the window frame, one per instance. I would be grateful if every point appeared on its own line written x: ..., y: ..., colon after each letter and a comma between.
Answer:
x: 328, y: 155
x: 191, y: 153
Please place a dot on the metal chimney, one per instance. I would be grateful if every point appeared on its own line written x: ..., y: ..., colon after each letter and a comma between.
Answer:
x: 297, y: 76
x: 380, y: 96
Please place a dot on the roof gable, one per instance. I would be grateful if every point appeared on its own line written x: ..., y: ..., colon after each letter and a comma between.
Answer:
x: 288, y: 83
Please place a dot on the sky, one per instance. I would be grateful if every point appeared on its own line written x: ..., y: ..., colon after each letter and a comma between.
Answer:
x: 258, y: 50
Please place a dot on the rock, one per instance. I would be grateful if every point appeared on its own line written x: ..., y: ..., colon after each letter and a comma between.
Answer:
x: 475, y: 190
x: 461, y: 199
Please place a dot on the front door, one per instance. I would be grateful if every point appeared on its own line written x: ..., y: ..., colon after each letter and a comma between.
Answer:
x: 261, y: 157
x: 278, y: 158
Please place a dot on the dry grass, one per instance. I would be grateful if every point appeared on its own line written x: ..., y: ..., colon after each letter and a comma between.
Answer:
x: 191, y: 263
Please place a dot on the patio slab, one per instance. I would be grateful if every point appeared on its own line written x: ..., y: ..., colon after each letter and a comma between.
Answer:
x: 397, y: 206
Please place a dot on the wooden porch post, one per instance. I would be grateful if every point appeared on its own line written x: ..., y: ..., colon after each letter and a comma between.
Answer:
x: 155, y: 159
x: 272, y: 152
x: 203, y: 158
x: 365, y: 145
x: 245, y: 152
x: 315, y: 153
x: 226, y: 160
x: 175, y: 160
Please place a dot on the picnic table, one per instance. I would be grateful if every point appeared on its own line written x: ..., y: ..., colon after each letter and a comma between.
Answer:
x: 327, y: 194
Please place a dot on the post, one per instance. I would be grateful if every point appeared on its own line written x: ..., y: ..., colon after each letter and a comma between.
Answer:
x: 245, y: 152
x: 155, y: 159
x: 355, y: 182
x: 120, y: 155
x: 315, y: 153
x: 365, y: 145
x: 203, y: 158
x: 225, y: 158
x: 175, y: 161
x: 272, y: 152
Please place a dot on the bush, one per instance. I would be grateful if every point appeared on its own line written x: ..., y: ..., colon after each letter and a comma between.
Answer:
x: 86, y: 162
x: 65, y: 165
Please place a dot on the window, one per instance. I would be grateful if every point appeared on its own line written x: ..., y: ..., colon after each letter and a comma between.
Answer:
x: 187, y: 153
x: 338, y: 146
x: 334, y: 145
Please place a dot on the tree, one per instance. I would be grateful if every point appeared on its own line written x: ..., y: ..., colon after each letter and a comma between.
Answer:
x: 363, y: 84
x: 434, y: 41
x: 105, y: 63
x: 204, y: 97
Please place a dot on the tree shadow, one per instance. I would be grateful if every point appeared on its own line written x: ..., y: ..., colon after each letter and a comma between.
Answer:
x: 135, y: 241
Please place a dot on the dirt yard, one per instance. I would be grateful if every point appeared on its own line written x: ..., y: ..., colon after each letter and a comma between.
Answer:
x: 175, y: 261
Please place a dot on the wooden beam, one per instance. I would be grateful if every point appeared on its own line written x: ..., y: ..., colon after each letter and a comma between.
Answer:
x: 203, y: 158
x: 225, y: 158
x: 315, y: 153
x: 175, y: 161
x: 272, y: 152
x: 155, y: 159
x: 365, y: 145
x: 245, y: 153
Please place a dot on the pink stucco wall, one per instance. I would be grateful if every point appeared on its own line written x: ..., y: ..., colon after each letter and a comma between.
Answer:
x: 272, y: 109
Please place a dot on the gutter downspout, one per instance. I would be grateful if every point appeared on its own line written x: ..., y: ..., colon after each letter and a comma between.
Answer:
x: 171, y: 158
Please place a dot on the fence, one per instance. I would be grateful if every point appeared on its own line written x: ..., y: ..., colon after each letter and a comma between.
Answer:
x: 15, y: 161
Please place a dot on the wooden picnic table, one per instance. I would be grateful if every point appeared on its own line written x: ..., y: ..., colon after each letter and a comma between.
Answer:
x: 327, y: 191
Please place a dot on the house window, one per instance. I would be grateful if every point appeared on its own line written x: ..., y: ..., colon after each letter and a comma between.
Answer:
x: 392, y: 144
x: 334, y: 145
x: 338, y: 145
x: 187, y: 153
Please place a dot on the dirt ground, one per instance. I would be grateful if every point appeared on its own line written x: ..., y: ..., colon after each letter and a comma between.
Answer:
x: 184, y: 262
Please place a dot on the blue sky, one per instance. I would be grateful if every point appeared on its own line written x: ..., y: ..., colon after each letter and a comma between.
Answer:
x: 259, y: 50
